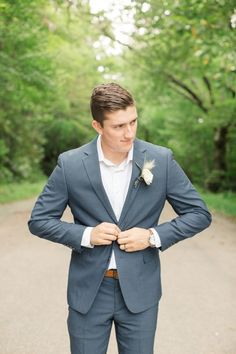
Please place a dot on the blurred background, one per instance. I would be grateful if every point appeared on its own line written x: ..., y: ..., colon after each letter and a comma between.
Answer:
x: 176, y: 57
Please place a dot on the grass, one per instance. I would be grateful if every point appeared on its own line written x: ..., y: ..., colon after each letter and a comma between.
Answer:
x: 18, y: 191
x: 224, y: 203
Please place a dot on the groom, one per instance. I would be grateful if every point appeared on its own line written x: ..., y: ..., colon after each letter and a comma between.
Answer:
x: 116, y: 187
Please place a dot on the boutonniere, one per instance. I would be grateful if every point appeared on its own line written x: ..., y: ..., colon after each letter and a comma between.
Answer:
x: 145, y: 174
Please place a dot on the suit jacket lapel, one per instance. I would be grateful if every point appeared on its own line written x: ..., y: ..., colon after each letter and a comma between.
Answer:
x: 138, y: 159
x: 92, y: 168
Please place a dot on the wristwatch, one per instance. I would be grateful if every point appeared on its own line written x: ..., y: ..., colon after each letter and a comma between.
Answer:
x: 152, y: 240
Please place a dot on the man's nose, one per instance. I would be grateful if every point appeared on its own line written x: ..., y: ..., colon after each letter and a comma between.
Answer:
x: 128, y: 132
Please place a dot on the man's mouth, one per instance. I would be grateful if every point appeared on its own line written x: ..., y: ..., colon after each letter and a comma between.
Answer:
x: 127, y: 141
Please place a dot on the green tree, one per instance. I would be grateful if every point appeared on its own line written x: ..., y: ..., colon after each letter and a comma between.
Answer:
x: 48, y: 67
x: 188, y: 47
x: 25, y: 78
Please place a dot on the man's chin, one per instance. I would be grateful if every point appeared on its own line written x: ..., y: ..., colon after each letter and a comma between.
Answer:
x: 127, y: 146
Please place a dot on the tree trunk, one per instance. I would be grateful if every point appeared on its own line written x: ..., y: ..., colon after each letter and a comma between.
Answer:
x: 218, y: 175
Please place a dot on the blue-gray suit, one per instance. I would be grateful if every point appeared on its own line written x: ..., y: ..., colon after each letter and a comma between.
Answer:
x: 76, y: 181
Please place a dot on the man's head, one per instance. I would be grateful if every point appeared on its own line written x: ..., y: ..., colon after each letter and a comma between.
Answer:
x: 107, y: 98
x: 114, y: 118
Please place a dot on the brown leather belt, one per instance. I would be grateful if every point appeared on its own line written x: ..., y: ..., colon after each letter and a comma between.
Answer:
x: 111, y: 273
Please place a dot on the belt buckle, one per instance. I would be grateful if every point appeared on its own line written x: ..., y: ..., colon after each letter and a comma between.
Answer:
x: 112, y: 273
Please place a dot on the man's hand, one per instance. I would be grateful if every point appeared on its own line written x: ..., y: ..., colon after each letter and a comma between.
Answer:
x: 104, y: 234
x: 134, y: 239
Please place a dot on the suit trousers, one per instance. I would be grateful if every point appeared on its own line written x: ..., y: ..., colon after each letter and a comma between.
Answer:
x: 89, y: 333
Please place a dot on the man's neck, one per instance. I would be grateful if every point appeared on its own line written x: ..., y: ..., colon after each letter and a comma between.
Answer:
x: 116, y: 158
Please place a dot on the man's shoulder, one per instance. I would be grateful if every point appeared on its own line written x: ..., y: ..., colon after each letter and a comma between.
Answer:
x: 78, y: 152
x: 157, y: 149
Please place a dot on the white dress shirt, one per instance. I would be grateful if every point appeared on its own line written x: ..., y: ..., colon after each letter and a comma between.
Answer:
x: 116, y: 180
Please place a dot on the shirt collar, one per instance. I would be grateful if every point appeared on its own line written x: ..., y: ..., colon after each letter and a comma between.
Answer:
x: 102, y: 158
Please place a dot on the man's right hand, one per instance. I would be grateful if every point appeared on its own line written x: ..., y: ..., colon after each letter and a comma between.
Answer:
x: 104, y: 234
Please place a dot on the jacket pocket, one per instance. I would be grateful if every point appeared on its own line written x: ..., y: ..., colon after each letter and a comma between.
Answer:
x: 149, y: 254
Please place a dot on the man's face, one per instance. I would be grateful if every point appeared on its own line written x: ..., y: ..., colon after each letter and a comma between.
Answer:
x: 119, y: 130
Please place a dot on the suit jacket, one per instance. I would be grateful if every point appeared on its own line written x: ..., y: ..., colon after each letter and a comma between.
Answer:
x: 76, y: 181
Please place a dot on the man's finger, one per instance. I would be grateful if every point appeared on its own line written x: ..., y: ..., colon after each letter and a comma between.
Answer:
x: 105, y: 242
x: 106, y: 236
x: 117, y: 229
x: 110, y: 229
x: 123, y: 234
x: 126, y: 248
x: 123, y: 241
x: 109, y: 237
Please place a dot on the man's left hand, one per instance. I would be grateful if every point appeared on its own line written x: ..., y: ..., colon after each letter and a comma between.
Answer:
x: 134, y: 239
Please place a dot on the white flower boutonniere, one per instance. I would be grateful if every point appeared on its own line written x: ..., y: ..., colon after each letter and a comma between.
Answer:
x: 146, y: 174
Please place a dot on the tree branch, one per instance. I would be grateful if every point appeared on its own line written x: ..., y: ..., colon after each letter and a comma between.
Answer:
x: 182, y: 93
x: 208, y: 85
x: 190, y: 92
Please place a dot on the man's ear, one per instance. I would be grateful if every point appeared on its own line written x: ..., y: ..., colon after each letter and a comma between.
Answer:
x: 97, y: 126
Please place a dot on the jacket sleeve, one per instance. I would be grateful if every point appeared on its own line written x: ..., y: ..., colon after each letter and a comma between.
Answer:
x: 193, y: 215
x: 45, y: 218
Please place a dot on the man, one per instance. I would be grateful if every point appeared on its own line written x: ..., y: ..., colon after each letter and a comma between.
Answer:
x: 116, y: 187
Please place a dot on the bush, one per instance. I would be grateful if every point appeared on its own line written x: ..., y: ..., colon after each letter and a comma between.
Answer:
x: 61, y: 135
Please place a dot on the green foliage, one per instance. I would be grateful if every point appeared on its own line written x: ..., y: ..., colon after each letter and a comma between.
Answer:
x: 61, y: 135
x: 47, y: 70
x: 12, y: 192
x: 183, y: 53
x: 224, y: 203
x: 25, y: 83
x: 179, y: 65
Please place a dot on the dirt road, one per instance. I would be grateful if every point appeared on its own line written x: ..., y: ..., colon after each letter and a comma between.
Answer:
x: 197, y: 311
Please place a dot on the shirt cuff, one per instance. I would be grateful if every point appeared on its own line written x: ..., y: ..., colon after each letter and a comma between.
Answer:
x: 157, y: 238
x: 85, y: 242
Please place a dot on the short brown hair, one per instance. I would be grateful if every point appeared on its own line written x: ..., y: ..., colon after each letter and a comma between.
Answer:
x: 109, y: 97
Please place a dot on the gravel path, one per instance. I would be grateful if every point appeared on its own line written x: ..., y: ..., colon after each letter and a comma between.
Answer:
x: 197, y: 311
